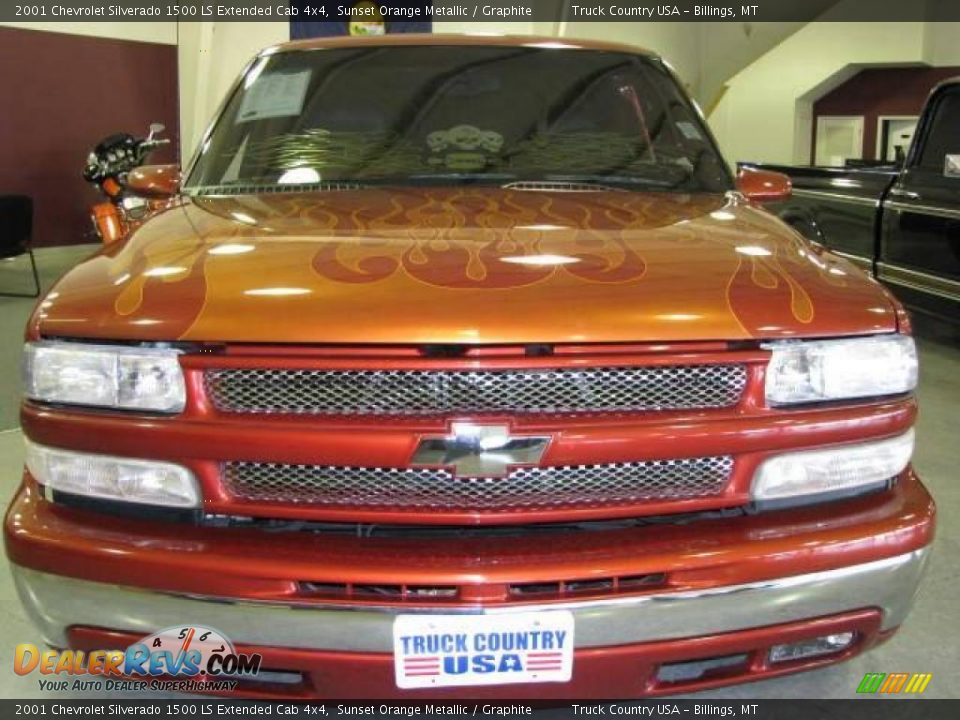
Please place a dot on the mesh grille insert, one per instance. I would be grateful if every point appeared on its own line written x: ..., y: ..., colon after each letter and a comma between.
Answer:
x: 522, y: 489
x: 426, y: 392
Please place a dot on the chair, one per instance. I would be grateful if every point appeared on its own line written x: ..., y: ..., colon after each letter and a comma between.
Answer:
x: 16, y: 228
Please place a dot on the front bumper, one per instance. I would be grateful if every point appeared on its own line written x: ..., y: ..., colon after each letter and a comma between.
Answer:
x: 56, y: 604
x: 733, y: 586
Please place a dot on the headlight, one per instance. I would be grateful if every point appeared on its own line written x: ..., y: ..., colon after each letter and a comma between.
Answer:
x: 113, y: 478
x: 104, y: 376
x: 833, y: 469
x: 805, y: 372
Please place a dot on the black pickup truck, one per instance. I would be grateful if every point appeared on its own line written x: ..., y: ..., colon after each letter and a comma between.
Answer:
x: 900, y: 223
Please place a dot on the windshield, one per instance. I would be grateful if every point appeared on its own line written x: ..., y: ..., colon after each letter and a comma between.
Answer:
x: 450, y: 115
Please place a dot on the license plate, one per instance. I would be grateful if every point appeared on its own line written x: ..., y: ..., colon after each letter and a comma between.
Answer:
x: 459, y: 650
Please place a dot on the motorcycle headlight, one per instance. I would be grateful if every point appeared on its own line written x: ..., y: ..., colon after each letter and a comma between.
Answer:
x: 119, y: 377
x: 819, y: 370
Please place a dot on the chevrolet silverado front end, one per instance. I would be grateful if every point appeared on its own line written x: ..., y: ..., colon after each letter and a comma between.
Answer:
x: 461, y: 367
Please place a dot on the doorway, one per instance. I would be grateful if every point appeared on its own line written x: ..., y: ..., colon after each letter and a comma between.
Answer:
x: 839, y: 138
x: 894, y: 135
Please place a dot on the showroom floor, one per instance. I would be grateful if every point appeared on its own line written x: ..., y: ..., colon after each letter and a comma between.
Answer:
x: 929, y: 642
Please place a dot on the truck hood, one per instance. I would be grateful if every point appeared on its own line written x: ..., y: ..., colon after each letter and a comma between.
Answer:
x: 464, y: 265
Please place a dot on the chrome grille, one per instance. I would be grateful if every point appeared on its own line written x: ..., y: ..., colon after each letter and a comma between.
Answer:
x: 425, y: 392
x: 522, y: 489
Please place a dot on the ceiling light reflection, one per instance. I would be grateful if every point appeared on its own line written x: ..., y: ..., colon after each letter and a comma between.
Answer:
x: 541, y: 260
x: 244, y: 218
x: 550, y: 45
x: 678, y: 317
x: 231, y: 249
x: 542, y: 228
x: 277, y: 291
x: 753, y: 250
x: 299, y: 176
x: 163, y: 271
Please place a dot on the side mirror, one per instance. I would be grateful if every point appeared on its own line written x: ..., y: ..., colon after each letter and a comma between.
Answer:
x: 155, y: 129
x: 154, y: 181
x: 763, y: 185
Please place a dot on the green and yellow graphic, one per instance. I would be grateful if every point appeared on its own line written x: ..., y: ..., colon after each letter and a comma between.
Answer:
x: 892, y: 683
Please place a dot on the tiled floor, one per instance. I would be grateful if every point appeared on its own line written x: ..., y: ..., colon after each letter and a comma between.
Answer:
x: 929, y: 642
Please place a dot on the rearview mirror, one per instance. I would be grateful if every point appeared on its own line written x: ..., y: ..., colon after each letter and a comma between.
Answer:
x: 763, y: 185
x: 154, y: 181
x: 155, y: 129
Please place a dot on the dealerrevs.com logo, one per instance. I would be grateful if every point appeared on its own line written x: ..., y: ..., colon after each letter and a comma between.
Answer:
x: 185, y: 658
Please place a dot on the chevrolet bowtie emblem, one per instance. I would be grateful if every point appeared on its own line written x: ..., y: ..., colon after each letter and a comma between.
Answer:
x: 472, y: 450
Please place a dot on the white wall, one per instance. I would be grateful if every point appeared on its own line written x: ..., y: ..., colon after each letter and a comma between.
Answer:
x: 158, y: 32
x: 766, y: 113
x: 942, y: 43
x: 677, y: 43
x: 704, y: 55
x: 728, y: 47
x: 211, y: 56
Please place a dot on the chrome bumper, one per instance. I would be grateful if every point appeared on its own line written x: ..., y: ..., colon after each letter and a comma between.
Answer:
x: 55, y: 603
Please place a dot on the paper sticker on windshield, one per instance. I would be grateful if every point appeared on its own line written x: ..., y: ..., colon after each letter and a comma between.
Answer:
x: 689, y: 130
x: 274, y: 95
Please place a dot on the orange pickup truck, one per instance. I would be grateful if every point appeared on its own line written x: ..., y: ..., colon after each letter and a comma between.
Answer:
x: 463, y: 367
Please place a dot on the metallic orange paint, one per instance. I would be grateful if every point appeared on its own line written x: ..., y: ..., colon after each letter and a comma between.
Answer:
x: 107, y: 222
x: 158, y: 181
x: 468, y: 265
x: 362, y: 279
x: 250, y: 564
x: 202, y: 438
x: 763, y: 185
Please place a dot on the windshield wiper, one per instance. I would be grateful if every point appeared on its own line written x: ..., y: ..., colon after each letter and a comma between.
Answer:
x: 591, y: 183
x: 559, y: 186
x: 460, y: 177
x: 254, y: 188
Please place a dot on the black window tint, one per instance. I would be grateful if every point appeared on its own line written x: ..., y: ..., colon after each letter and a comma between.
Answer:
x: 943, y: 134
x: 448, y: 114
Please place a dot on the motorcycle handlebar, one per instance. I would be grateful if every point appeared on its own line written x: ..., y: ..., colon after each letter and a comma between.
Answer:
x: 150, y: 144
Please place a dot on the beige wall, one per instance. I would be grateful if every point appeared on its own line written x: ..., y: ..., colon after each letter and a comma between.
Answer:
x: 765, y: 114
x: 726, y: 48
x: 942, y: 43
x: 677, y: 43
x: 212, y: 55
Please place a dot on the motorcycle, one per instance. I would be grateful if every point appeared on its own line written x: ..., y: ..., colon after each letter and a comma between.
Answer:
x: 108, y: 165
